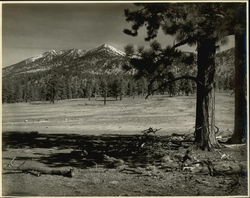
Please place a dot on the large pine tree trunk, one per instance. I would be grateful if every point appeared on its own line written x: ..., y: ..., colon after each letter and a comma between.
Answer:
x: 205, y: 120
x: 240, y: 115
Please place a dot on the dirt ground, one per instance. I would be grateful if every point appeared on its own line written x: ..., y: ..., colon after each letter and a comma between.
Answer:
x: 80, y: 134
x: 111, y: 182
x: 152, y: 169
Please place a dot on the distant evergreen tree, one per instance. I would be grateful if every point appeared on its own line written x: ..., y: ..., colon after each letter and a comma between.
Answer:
x: 64, y: 88
x: 52, y: 88
x: 43, y: 93
x: 171, y: 87
x: 131, y: 88
x: 122, y: 87
x: 68, y: 89
x: 186, y: 87
x: 89, y: 88
x: 142, y: 86
x: 95, y: 87
x: 115, y: 88
x: 103, y: 87
x: 8, y: 93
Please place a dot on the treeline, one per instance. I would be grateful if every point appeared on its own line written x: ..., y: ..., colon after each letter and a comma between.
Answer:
x: 53, y: 85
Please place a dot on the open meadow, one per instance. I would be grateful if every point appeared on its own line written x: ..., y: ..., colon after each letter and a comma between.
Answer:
x: 83, y: 148
x: 129, y: 116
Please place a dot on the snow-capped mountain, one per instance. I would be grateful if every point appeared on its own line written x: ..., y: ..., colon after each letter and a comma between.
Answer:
x: 102, y: 57
x: 107, y: 48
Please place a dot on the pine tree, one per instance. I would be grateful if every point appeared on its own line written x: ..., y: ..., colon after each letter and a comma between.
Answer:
x: 122, y: 86
x: 131, y: 88
x: 104, y: 89
x: 69, y: 89
x: 52, y: 88
x: 89, y: 88
x: 115, y: 88
x: 194, y: 24
x: 235, y: 24
x: 95, y: 88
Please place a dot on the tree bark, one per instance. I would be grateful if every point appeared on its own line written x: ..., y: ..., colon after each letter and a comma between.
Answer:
x: 205, y: 100
x: 240, y: 115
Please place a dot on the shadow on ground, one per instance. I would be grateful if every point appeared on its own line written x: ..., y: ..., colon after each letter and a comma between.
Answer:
x: 87, y: 151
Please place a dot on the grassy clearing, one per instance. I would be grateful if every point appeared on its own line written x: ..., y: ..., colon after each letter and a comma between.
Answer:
x: 129, y: 116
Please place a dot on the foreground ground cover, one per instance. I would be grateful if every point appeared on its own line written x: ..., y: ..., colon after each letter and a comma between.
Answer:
x: 127, y: 165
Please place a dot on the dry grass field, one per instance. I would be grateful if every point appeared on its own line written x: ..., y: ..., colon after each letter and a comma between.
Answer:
x: 129, y: 116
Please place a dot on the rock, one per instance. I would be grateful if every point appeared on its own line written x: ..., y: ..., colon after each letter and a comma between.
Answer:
x: 151, y: 168
x: 96, y: 181
x: 178, y: 156
x: 222, y: 139
x: 112, y: 162
x: 203, y: 182
x: 185, y: 144
x: 114, y: 182
x: 196, y: 168
x: 177, y: 138
x: 225, y: 156
x: 166, y: 159
x: 169, y: 164
x: 228, y: 168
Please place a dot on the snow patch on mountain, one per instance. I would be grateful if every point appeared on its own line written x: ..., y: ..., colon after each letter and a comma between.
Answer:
x: 109, y: 48
x: 76, y: 52
x: 35, y: 70
x: 33, y: 59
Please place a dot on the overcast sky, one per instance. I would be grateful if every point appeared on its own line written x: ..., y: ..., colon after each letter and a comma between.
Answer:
x: 31, y: 29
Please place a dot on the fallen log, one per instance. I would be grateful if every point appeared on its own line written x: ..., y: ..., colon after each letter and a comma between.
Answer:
x: 38, y: 171
x: 36, y: 168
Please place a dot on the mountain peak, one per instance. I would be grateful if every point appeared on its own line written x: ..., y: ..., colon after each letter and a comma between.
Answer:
x: 110, y: 48
x: 104, y: 45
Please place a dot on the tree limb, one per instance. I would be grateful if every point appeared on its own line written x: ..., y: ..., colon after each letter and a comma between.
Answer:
x: 183, y: 42
x: 186, y: 77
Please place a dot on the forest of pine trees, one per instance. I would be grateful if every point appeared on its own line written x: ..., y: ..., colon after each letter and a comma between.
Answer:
x: 53, y: 86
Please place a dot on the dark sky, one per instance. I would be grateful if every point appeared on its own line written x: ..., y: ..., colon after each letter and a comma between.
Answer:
x: 31, y: 29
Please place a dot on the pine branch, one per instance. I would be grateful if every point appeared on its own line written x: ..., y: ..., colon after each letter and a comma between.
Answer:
x: 186, y: 77
x: 183, y: 42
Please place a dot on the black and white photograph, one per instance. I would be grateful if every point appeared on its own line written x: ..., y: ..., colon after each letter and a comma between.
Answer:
x: 123, y: 98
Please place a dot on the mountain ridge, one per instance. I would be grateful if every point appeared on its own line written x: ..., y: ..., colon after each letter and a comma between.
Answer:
x: 103, y: 58
x: 65, y: 58
x: 63, y: 51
